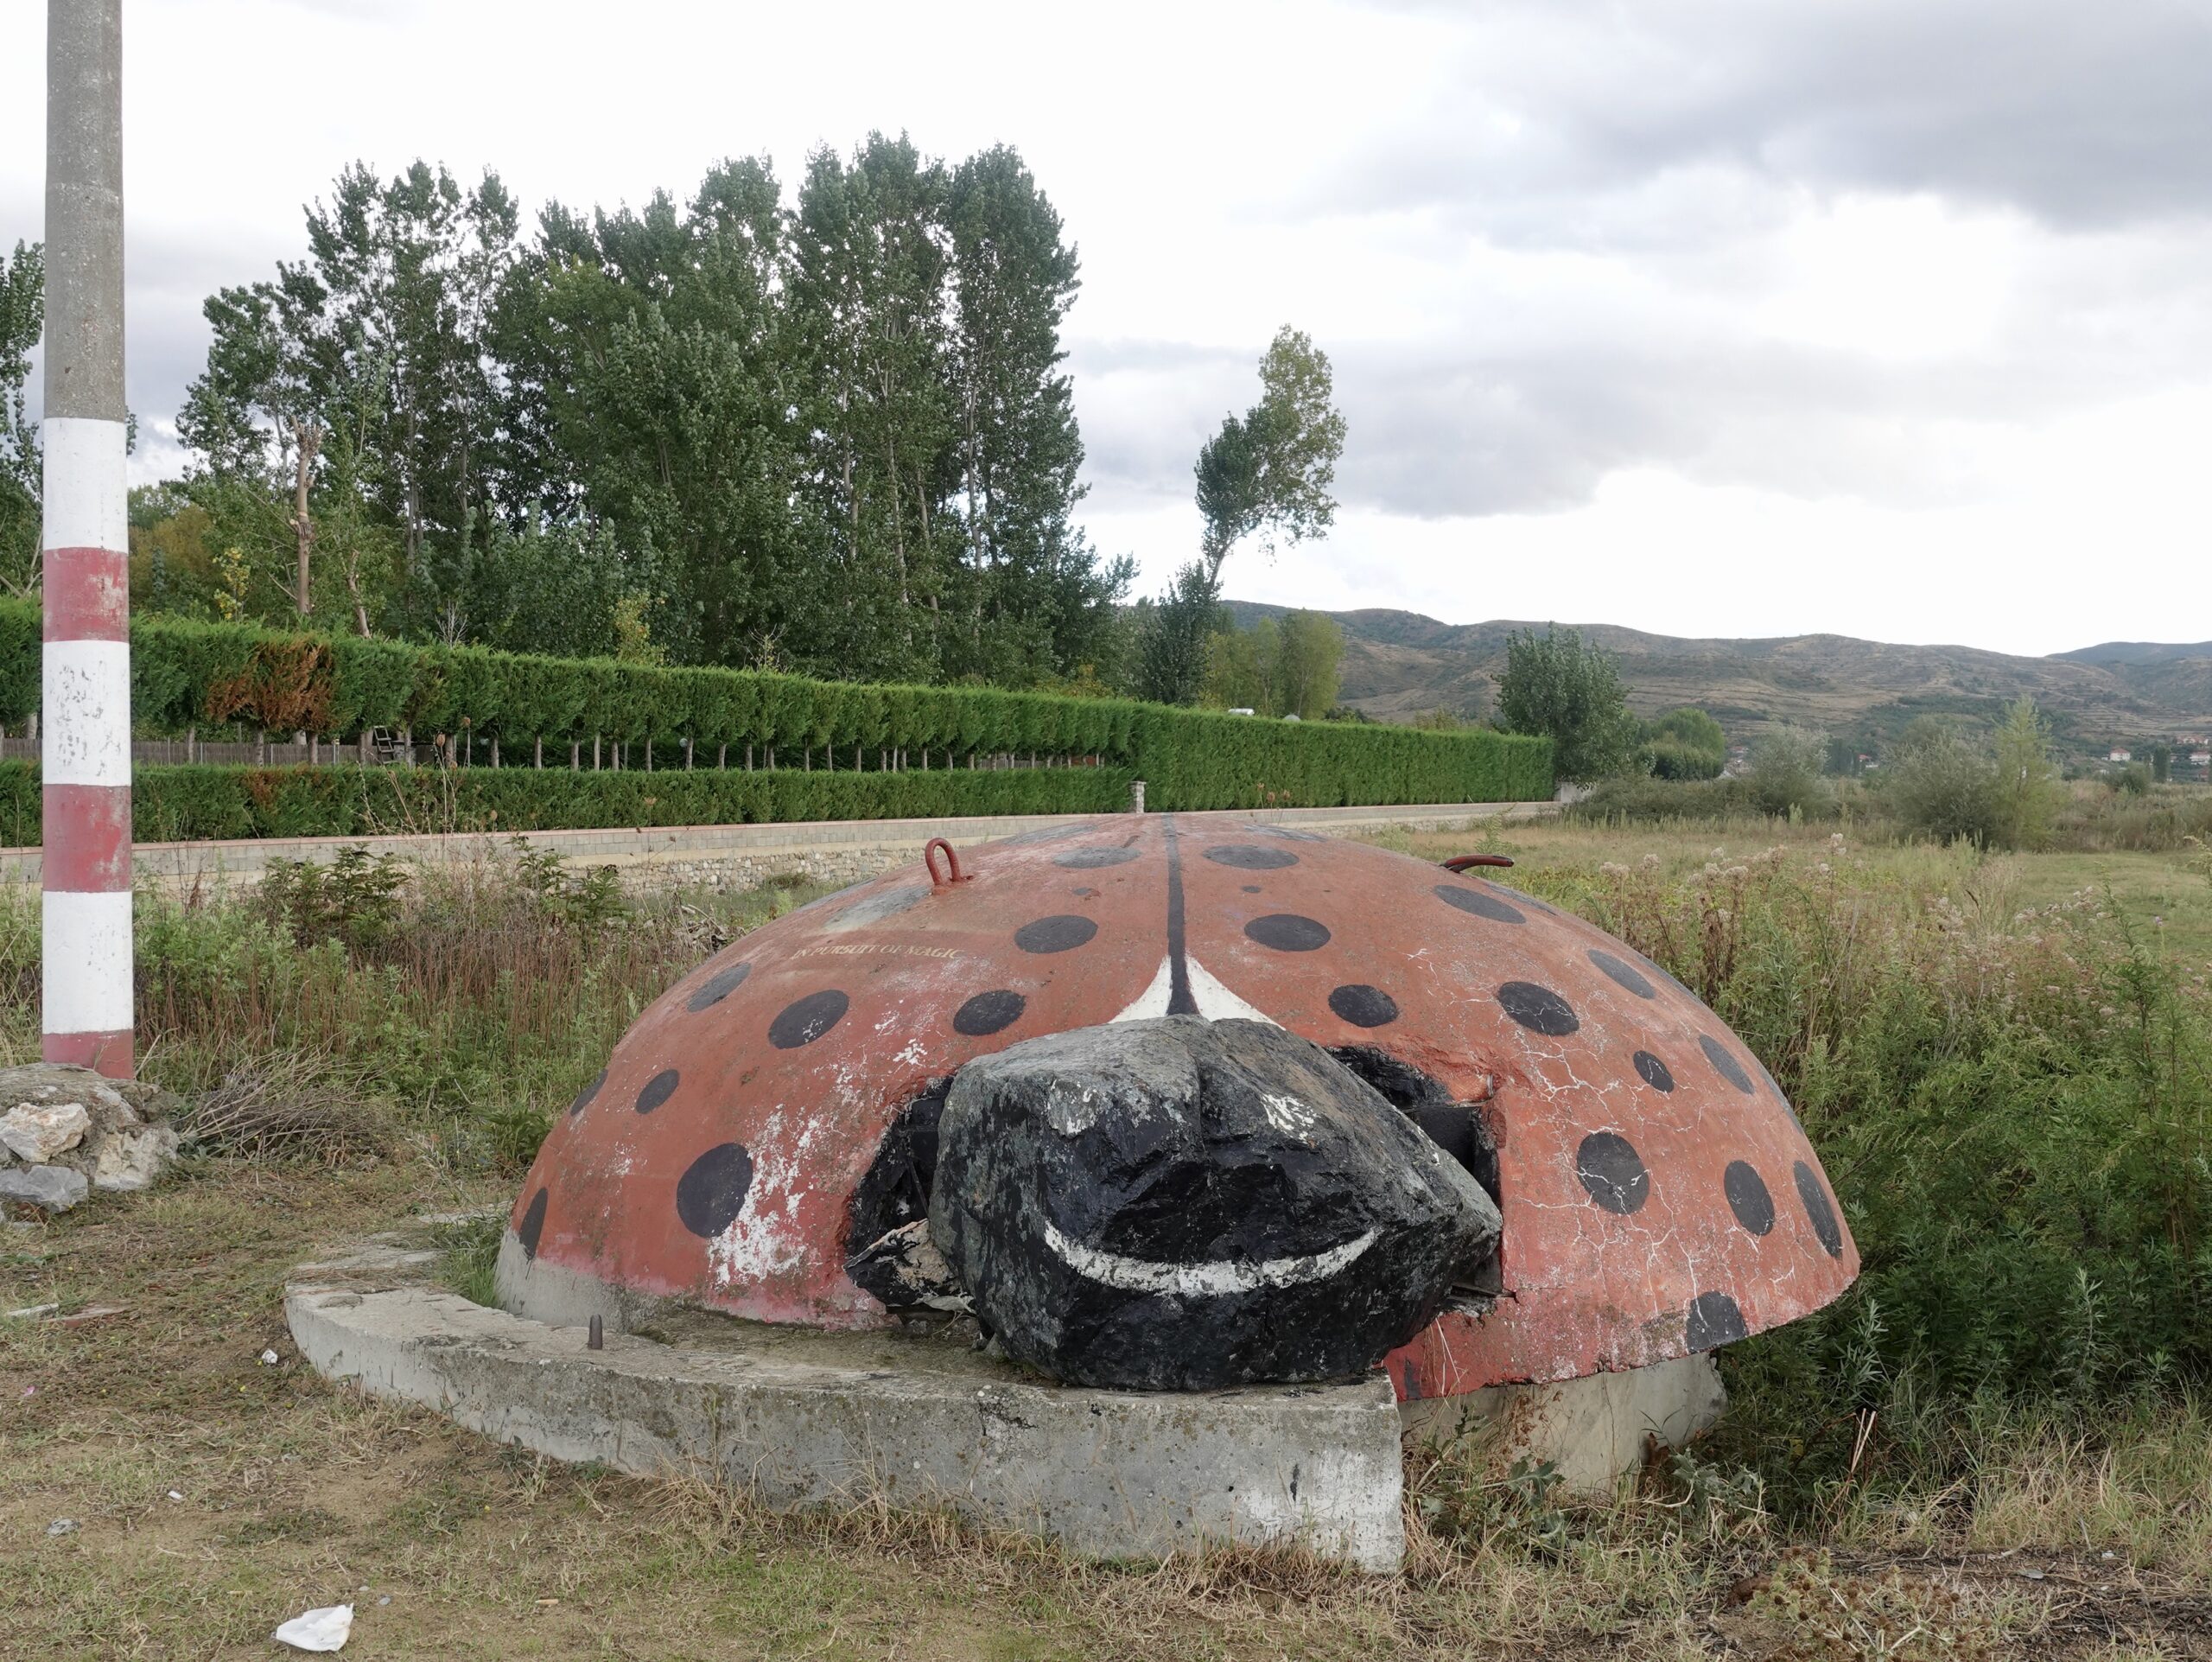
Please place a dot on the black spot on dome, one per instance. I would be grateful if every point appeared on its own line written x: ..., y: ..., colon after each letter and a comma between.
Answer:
x: 1061, y: 933
x: 1476, y: 901
x: 532, y: 1225
x: 711, y: 1192
x: 1539, y: 1007
x: 1656, y: 1074
x: 1612, y: 1171
x: 1818, y: 1212
x: 1088, y: 859
x: 1250, y: 889
x: 1287, y: 933
x: 1622, y: 973
x: 1724, y: 1063
x: 807, y: 1019
x: 1714, y: 1320
x: 583, y: 1097
x: 718, y: 986
x: 1747, y: 1196
x: 988, y: 1012
x: 1364, y: 1006
x: 1250, y: 857
x: 659, y: 1089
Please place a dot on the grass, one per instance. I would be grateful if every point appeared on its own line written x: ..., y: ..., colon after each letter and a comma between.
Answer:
x: 1897, y: 1478
x: 292, y: 1494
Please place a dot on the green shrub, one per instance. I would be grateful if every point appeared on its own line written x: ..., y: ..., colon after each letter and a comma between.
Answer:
x: 2016, y: 1112
x: 1784, y: 778
x: 1685, y: 743
x: 1571, y: 692
x: 198, y: 804
x: 1940, y: 786
x: 203, y: 676
x: 1654, y: 801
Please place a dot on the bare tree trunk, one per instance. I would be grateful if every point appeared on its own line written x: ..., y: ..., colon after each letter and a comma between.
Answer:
x: 307, y: 442
x: 360, y: 609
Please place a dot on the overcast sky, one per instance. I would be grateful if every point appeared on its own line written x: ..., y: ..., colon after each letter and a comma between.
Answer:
x: 1891, y: 320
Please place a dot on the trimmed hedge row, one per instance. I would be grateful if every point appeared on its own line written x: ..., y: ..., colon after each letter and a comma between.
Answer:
x: 201, y: 803
x: 189, y: 675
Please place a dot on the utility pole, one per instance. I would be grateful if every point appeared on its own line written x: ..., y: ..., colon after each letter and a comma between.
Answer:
x: 86, y: 686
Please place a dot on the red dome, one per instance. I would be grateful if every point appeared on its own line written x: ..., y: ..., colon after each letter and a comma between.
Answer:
x: 1658, y: 1194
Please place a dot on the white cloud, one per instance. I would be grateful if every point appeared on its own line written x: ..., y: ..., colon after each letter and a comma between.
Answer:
x: 1881, y: 316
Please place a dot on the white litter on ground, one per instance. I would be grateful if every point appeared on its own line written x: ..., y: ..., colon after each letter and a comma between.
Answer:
x: 318, y: 1630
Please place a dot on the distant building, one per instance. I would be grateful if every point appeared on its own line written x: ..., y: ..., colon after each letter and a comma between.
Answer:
x: 2120, y: 753
x: 2201, y: 758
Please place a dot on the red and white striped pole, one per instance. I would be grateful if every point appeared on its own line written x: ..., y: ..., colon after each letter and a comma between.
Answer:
x: 85, y: 692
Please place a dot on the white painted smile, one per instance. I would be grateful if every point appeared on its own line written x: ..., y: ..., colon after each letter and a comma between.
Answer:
x: 1210, y: 1280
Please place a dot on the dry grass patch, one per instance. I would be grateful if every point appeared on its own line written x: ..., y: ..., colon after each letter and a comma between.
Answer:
x: 291, y: 1493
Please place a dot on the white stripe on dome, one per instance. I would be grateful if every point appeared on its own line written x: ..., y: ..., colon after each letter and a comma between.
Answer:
x: 1215, y: 1002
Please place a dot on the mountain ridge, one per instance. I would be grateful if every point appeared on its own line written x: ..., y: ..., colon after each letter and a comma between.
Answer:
x: 1399, y: 664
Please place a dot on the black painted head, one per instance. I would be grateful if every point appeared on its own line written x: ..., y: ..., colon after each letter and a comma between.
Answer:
x: 1184, y: 1204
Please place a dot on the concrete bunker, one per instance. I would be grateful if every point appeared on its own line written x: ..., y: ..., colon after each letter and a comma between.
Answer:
x: 765, y: 1133
x: 1259, y: 1149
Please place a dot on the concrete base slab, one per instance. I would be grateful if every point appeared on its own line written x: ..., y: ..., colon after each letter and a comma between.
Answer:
x: 1591, y: 1429
x: 800, y: 1418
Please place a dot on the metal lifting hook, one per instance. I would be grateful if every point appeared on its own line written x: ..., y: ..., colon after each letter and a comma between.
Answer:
x: 1461, y: 862
x: 952, y: 863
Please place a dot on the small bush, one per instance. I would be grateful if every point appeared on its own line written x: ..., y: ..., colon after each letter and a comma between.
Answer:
x: 354, y: 899
x: 1651, y: 801
x: 1939, y: 785
x: 1785, y: 778
x: 1685, y: 744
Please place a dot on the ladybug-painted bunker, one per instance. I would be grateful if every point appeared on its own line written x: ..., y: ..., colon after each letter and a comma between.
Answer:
x: 1164, y: 1102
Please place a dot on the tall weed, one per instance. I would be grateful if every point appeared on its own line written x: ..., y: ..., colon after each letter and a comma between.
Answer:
x: 2014, y: 1104
x: 471, y: 999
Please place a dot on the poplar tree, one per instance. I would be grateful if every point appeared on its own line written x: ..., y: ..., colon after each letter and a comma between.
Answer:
x: 869, y: 269
x: 22, y: 319
x: 1033, y: 596
x: 836, y: 436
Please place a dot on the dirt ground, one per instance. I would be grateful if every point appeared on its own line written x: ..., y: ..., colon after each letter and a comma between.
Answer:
x: 209, y: 1493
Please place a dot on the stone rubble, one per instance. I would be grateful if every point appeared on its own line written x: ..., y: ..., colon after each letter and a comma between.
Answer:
x: 36, y: 1131
x: 54, y: 1189
x: 74, y: 1131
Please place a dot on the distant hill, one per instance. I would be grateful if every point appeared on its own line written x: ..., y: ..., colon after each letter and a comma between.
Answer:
x: 2136, y: 652
x: 1399, y: 664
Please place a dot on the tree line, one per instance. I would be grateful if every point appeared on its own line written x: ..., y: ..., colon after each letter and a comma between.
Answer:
x: 828, y: 431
